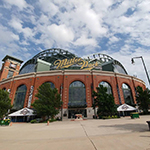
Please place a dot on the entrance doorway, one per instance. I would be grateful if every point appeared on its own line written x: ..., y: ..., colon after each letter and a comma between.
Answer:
x: 72, y: 112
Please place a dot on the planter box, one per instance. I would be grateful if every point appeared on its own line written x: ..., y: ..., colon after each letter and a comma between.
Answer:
x: 134, y: 115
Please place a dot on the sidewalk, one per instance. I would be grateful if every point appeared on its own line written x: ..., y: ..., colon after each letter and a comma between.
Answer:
x: 111, y: 134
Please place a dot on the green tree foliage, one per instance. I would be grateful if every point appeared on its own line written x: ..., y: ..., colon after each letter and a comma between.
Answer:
x: 143, y: 99
x: 48, y: 102
x: 5, y: 102
x: 104, y: 102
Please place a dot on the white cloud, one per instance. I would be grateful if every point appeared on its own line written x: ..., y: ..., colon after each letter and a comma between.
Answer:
x: 15, y: 37
x: 48, y: 7
x: 113, y: 39
x: 83, y: 16
x: 27, y: 32
x: 17, y: 25
x: 43, y: 19
x: 84, y: 41
x: 7, y: 36
x: 19, y: 3
x: 144, y: 6
x: 60, y: 33
x: 23, y: 43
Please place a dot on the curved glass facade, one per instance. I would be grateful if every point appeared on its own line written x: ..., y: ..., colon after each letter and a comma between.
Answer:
x: 28, y: 68
x: 77, y: 95
x: 46, y: 60
x: 47, y: 56
x: 20, y: 97
x: 127, y: 94
x: 107, y: 85
x: 119, y: 69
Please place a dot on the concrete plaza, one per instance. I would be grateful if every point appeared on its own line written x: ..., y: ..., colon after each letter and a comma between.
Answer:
x: 111, y: 134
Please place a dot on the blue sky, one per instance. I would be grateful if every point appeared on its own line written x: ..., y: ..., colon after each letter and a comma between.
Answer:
x: 119, y: 28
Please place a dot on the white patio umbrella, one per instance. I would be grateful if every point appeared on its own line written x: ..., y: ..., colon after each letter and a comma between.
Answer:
x: 23, y: 112
x: 124, y: 107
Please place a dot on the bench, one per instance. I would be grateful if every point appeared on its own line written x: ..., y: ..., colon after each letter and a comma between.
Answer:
x: 148, y: 124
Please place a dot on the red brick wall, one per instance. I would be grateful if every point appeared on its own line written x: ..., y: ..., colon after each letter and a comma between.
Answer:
x: 5, y: 69
x: 89, y: 78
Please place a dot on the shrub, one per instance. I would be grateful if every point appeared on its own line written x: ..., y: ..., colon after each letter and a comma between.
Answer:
x: 52, y: 120
x: 33, y: 121
x: 108, y: 117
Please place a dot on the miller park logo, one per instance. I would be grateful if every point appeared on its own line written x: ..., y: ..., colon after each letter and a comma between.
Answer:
x: 65, y: 63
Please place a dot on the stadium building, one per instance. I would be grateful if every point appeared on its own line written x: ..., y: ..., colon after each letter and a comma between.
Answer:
x: 73, y: 76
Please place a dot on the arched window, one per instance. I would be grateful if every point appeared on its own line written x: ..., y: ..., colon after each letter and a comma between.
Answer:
x: 20, y: 97
x: 127, y: 94
x: 52, y: 84
x: 77, y: 95
x: 107, y: 85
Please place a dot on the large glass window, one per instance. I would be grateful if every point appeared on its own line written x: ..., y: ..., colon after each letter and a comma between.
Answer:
x: 20, y: 97
x: 77, y: 94
x: 107, y: 85
x: 127, y: 94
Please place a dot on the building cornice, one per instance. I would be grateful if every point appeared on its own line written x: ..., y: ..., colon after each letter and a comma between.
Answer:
x: 70, y: 72
x: 49, y: 73
x: 102, y: 73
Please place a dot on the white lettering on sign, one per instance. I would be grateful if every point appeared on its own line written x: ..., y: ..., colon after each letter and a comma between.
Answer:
x: 30, y: 96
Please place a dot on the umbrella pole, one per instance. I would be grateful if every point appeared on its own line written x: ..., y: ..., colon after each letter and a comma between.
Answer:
x: 123, y: 114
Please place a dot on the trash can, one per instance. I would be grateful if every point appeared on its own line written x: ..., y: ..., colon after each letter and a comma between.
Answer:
x: 134, y: 115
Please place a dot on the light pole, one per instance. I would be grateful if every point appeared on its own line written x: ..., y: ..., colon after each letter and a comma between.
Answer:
x: 132, y: 60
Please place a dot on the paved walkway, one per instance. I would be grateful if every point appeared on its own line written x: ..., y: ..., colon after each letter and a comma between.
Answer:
x: 111, y: 134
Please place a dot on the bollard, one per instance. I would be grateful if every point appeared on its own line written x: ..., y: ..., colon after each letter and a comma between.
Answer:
x: 48, y: 122
x: 10, y: 124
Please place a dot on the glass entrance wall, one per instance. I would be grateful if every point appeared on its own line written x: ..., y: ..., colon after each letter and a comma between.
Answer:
x: 127, y: 94
x: 77, y: 95
x: 20, y: 97
x: 107, y: 85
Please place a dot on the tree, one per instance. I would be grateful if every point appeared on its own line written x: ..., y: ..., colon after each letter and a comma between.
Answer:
x: 143, y: 99
x: 104, y: 102
x: 5, y: 102
x: 48, y: 102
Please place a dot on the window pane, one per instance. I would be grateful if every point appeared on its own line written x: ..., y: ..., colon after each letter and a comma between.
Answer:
x: 107, y: 85
x: 77, y: 94
x: 127, y: 94
x: 20, y: 97
x: 10, y: 74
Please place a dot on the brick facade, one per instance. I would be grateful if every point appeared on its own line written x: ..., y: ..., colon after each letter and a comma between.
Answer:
x: 90, y: 79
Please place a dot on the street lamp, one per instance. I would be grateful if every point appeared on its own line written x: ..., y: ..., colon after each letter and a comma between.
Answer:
x: 132, y: 60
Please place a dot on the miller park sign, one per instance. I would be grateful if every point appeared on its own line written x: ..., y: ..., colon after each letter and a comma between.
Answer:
x: 66, y: 63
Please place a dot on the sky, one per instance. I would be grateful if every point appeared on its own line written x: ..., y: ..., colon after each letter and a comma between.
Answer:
x: 118, y: 28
